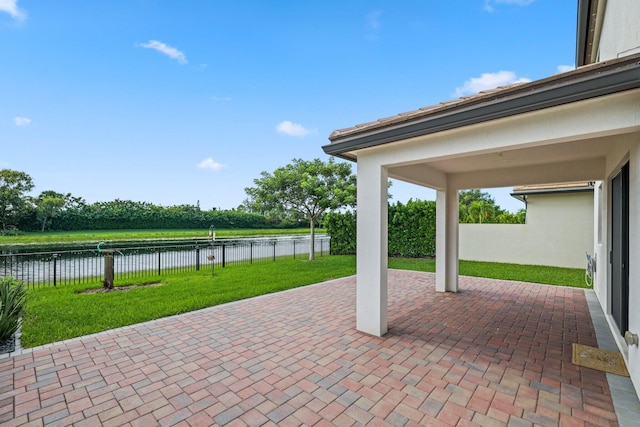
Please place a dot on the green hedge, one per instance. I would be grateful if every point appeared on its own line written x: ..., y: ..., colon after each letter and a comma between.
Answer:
x: 342, y: 229
x: 412, y: 230
x: 128, y: 215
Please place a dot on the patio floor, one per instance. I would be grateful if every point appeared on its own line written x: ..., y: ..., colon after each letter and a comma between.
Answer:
x: 496, y: 353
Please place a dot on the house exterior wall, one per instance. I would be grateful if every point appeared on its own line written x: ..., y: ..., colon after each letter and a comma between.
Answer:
x: 620, y: 36
x: 634, y: 255
x: 600, y: 243
x: 626, y: 149
x: 558, y: 232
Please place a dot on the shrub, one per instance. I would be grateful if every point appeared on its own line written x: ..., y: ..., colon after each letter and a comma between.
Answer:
x: 342, y: 229
x: 412, y: 230
x: 10, y: 230
x: 13, y: 295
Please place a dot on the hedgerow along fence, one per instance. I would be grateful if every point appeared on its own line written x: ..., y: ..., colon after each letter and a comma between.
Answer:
x: 53, y: 268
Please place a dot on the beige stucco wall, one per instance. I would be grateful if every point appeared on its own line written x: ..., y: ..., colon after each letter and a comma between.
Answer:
x: 633, y: 354
x: 620, y: 35
x: 558, y: 232
x: 626, y: 149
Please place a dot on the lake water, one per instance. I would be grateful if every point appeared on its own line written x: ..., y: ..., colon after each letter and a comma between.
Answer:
x: 83, y: 265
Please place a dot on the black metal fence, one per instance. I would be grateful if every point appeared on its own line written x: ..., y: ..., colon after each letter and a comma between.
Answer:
x: 87, y: 265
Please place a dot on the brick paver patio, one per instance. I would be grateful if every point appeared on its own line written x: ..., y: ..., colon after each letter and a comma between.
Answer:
x: 496, y: 353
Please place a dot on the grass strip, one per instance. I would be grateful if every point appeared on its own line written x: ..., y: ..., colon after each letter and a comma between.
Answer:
x: 107, y: 235
x: 573, y: 277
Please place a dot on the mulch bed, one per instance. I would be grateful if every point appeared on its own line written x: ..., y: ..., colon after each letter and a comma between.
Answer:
x: 118, y: 288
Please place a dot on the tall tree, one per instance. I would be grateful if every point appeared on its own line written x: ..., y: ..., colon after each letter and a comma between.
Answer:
x: 13, y: 200
x: 477, y: 206
x: 481, y: 211
x: 310, y: 188
x: 48, y: 206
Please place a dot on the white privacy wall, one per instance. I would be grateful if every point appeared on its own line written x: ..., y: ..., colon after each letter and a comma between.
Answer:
x: 558, y: 232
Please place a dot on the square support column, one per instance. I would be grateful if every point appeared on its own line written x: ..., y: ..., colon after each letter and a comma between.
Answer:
x: 372, y: 258
x: 447, y: 218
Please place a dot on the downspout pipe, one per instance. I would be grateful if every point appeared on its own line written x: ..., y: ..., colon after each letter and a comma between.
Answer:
x: 589, y: 31
x: 582, y: 32
x: 595, y: 46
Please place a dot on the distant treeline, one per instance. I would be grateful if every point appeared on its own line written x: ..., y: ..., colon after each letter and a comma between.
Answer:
x: 125, y: 214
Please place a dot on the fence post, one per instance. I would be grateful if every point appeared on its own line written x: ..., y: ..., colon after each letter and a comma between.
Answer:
x: 197, y: 258
x: 274, y: 250
x: 294, y: 249
x: 109, y: 271
x: 158, y: 262
x: 224, y: 255
x: 55, y: 268
x: 321, y: 247
x: 250, y: 252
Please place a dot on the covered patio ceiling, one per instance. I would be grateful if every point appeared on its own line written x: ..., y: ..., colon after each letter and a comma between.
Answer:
x: 574, y: 160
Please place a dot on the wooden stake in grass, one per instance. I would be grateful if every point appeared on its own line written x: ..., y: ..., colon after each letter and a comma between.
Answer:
x: 108, y: 271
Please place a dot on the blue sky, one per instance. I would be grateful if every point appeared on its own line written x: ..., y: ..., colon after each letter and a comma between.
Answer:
x: 175, y: 102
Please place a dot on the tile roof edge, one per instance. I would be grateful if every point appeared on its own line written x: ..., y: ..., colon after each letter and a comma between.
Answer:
x: 554, y: 188
x: 486, y: 96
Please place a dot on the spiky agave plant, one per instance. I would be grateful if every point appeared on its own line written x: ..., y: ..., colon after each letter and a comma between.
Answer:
x: 13, y: 295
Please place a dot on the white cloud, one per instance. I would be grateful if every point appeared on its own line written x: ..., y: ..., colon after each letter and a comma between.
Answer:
x: 209, y: 163
x: 373, y: 19
x: 489, y: 81
x: 221, y: 98
x: 373, y: 25
x: 11, y: 7
x: 22, y: 121
x: 565, y: 68
x: 489, y: 5
x: 171, y: 52
x: 292, y: 129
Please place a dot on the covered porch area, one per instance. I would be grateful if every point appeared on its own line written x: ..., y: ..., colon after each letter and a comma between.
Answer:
x: 488, y: 155
x: 580, y: 125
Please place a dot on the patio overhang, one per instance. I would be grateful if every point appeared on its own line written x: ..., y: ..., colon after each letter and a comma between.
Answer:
x: 588, y: 82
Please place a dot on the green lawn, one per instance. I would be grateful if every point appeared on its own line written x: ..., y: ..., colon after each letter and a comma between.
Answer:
x: 524, y: 273
x: 59, y: 313
x: 106, y: 235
